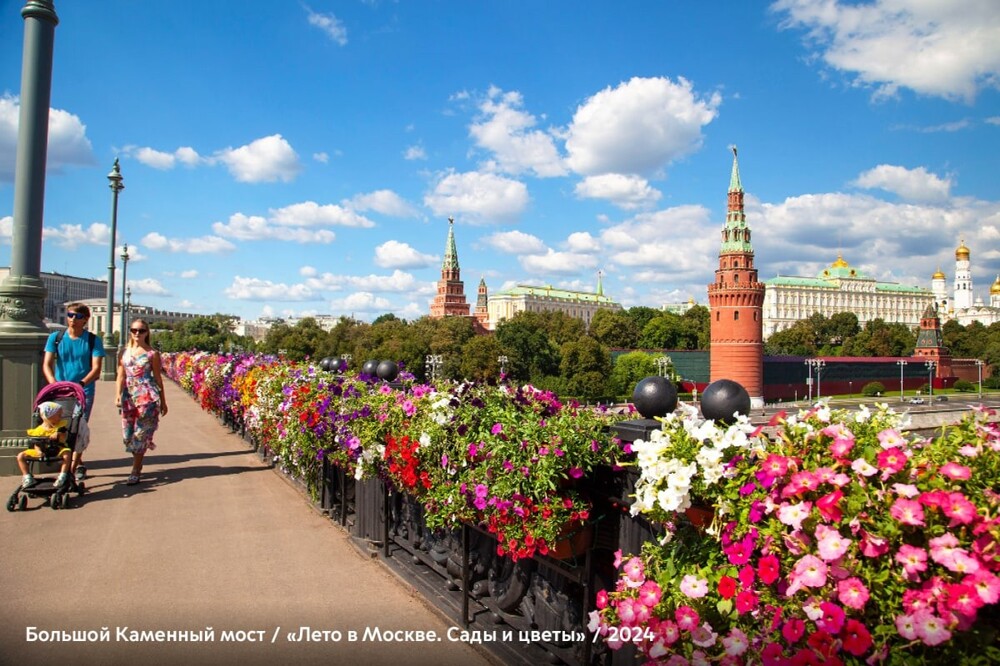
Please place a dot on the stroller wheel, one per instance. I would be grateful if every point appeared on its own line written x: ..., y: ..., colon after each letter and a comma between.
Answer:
x: 64, y: 501
x: 12, y: 502
x: 55, y: 501
x: 22, y: 504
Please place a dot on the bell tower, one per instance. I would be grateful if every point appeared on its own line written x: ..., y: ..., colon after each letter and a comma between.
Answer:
x: 736, y: 302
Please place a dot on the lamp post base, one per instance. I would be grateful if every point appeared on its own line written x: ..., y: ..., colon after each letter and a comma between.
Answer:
x: 109, y: 371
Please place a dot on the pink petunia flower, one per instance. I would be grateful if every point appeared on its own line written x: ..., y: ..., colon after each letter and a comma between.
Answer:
x: 852, y: 593
x: 768, y: 569
x: 793, y: 629
x: 863, y: 468
x: 833, y: 618
x: 907, y: 512
x: 694, y: 587
x: 802, y: 481
x: 829, y: 506
x: 793, y: 514
x: 930, y: 628
x: 959, y: 509
x: 891, y: 461
x: 963, y: 599
x: 987, y: 585
x: 687, y: 618
x: 913, y: 559
x: 810, y: 571
x: 906, y: 627
x: 650, y: 593
x: 907, y: 490
x: 635, y: 574
x: 890, y: 438
x: 704, y: 636
x: 872, y: 545
x: 954, y: 471
x: 746, y: 601
x: 830, y: 544
x: 736, y: 643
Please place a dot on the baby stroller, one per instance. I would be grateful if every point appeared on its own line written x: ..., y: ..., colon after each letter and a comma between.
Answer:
x: 70, y: 396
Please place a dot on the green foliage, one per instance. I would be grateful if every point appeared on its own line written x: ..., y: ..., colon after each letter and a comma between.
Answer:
x: 528, y: 347
x: 614, y: 328
x: 964, y: 386
x: 211, y: 334
x: 872, y: 389
x: 629, y: 370
x: 585, y: 365
x: 479, y: 358
x: 642, y: 315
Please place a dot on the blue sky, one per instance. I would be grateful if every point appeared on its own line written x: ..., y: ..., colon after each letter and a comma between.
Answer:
x: 286, y: 158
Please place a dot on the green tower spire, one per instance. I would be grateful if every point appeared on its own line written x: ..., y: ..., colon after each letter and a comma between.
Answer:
x: 450, y: 251
x: 736, y: 235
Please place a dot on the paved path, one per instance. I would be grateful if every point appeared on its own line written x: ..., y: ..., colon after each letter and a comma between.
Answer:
x: 210, y: 538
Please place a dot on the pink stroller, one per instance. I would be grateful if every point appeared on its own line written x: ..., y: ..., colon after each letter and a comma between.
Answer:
x: 70, y: 396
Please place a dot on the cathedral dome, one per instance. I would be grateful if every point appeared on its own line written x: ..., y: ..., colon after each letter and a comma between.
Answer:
x: 962, y: 252
x: 995, y: 289
x: 938, y: 275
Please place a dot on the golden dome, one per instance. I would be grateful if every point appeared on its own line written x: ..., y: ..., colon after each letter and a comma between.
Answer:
x: 840, y: 263
x: 962, y: 252
x: 995, y: 289
x: 938, y: 275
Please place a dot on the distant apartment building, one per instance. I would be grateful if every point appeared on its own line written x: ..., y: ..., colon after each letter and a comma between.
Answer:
x: 63, y: 289
x: 153, y: 316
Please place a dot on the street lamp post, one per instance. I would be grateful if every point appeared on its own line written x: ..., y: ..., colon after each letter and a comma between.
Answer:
x: 115, y: 182
x: 434, y: 363
x: 124, y: 319
x: 128, y: 303
x: 346, y: 358
x: 662, y: 363
x: 502, y: 360
x: 850, y: 389
x: 817, y: 364
x: 979, y: 367
x: 809, y: 380
x: 901, y: 364
x: 930, y: 378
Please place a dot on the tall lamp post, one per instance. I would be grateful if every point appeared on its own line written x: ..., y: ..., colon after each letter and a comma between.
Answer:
x: 817, y: 364
x: 115, y: 182
x: 434, y: 363
x: 124, y: 319
x: 809, y: 380
x: 901, y: 364
x: 930, y: 377
x: 979, y: 367
x: 662, y: 363
x: 128, y: 303
x: 502, y: 360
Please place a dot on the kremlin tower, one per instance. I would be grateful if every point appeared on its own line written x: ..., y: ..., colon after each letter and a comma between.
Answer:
x: 963, y: 278
x: 736, y: 303
x: 930, y: 344
x: 450, y: 299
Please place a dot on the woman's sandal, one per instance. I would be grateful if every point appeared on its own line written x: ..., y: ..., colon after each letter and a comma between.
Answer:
x: 133, y: 478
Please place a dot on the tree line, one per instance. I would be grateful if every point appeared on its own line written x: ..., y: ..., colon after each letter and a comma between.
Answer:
x: 555, y: 351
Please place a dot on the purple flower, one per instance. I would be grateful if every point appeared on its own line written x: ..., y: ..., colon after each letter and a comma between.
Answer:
x: 497, y: 428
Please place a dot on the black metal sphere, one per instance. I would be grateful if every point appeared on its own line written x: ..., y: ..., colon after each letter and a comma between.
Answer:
x: 655, y: 396
x: 387, y: 370
x: 324, y: 363
x: 369, y: 368
x: 338, y: 365
x: 723, y: 399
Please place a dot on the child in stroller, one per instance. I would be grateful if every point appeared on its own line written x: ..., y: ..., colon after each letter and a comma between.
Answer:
x: 53, y: 440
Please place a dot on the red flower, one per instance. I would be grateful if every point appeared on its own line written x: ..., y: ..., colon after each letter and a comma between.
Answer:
x: 727, y: 587
x: 768, y: 568
x: 857, y: 640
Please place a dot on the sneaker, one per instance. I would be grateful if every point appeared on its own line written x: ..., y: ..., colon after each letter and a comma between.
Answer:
x: 81, y: 473
x: 62, y: 480
x: 28, y: 482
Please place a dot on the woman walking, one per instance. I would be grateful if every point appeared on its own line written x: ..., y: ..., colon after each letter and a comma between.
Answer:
x: 140, y: 395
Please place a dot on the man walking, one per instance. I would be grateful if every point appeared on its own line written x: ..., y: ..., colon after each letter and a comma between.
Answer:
x: 75, y: 355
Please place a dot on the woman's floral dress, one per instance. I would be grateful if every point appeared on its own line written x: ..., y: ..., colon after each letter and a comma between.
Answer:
x: 140, y: 401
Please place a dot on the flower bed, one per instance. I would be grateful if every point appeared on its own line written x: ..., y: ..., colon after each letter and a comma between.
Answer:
x: 839, y: 539
x: 497, y: 456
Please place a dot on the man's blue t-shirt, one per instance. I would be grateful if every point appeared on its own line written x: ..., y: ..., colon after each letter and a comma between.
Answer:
x: 73, y: 358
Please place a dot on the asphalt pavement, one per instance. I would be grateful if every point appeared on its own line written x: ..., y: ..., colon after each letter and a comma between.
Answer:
x: 212, y: 545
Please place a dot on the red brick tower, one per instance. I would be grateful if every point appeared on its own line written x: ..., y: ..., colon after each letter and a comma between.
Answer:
x: 736, y: 303
x: 930, y: 346
x: 450, y: 300
x: 482, y: 311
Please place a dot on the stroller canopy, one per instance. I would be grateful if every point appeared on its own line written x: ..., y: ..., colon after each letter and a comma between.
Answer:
x: 57, y: 391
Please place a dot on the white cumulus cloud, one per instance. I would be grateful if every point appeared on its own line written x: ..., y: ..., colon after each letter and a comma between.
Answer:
x: 67, y: 142
x: 254, y: 289
x: 203, y: 245
x: 393, y: 254
x: 557, y: 263
x: 506, y: 130
x: 479, y: 198
x: 386, y: 202
x: 329, y: 24
x: 265, y: 160
x: 515, y: 242
x: 910, y: 184
x: 628, y: 192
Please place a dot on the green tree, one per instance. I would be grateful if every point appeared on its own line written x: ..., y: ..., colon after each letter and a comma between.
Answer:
x: 614, y: 328
x: 799, y: 339
x: 297, y: 342
x: 585, y: 366
x: 642, y: 315
x: 699, y: 320
x: 479, y: 358
x: 629, y: 370
x: 663, y: 332
x: 526, y: 343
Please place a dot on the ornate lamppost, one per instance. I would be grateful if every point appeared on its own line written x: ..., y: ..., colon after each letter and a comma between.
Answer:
x: 930, y: 377
x: 124, y: 319
x: 434, y: 362
x: 901, y: 364
x: 128, y: 303
x: 502, y: 360
x: 979, y: 367
x: 115, y: 182
x: 817, y: 364
x: 662, y: 363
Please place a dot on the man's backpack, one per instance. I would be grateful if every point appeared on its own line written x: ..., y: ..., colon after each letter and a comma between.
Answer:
x: 91, y: 341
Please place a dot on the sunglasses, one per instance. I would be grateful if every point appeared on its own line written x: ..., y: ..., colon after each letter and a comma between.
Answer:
x: 137, y: 331
x: 75, y: 315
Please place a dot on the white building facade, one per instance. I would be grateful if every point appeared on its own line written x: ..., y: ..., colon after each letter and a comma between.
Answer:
x: 965, y: 307
x: 841, y: 288
x: 580, y: 305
